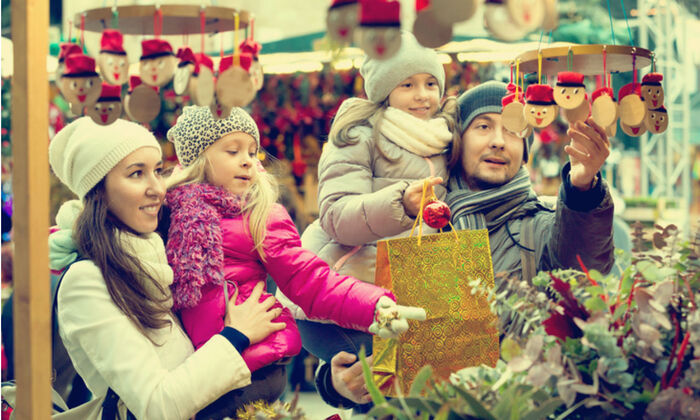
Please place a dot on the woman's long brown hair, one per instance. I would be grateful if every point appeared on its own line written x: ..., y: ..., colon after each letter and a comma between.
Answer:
x: 96, y: 236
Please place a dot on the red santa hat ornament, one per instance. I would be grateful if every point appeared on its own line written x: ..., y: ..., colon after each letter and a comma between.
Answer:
x: 80, y: 83
x: 652, y: 91
x: 570, y: 91
x: 632, y: 108
x: 142, y: 104
x: 603, y: 107
x: 157, y: 63
x: 67, y: 48
x: 108, y: 106
x: 341, y: 20
x: 540, y: 109
x: 379, y: 31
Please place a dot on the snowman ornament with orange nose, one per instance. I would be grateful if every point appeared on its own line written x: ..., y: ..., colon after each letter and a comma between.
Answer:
x: 540, y: 109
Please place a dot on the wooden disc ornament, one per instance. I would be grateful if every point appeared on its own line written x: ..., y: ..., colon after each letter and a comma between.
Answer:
x: 499, y: 22
x: 569, y: 92
x: 341, y: 20
x: 142, y: 104
x: 429, y: 32
x: 201, y: 87
x: 80, y: 85
x: 234, y: 86
x: 112, y: 61
x: 184, y: 70
x: 633, y: 130
x: 652, y: 91
x: 527, y: 14
x: 157, y: 63
x: 656, y: 120
x: 513, y: 116
x: 603, y: 107
x: 379, y: 31
x: 108, y: 106
x: 540, y: 109
x: 632, y: 109
x: 579, y: 113
x: 256, y: 71
x: 449, y: 12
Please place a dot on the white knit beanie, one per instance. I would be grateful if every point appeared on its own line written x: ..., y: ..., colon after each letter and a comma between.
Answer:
x: 382, y: 76
x: 83, y: 152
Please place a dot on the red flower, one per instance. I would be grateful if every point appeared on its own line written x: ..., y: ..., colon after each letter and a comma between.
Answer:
x: 561, y: 326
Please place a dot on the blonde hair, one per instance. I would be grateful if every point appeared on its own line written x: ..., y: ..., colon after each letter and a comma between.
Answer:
x: 258, y: 200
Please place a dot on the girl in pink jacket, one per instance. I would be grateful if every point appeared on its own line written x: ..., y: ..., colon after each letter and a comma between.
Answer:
x: 227, y: 233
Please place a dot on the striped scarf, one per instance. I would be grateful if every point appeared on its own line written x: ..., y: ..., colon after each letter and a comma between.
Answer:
x: 492, y: 207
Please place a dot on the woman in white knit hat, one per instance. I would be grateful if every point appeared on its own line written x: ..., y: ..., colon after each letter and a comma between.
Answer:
x: 114, y: 303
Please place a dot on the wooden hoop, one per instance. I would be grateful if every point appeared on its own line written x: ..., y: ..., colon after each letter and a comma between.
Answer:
x: 587, y: 59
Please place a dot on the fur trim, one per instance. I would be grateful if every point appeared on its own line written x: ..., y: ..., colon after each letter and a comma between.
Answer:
x: 195, y: 249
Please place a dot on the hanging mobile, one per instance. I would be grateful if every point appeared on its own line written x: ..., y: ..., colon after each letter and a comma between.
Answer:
x: 112, y: 61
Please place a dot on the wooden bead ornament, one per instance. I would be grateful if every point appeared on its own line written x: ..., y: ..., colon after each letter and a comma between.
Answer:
x: 379, y: 30
x: 80, y: 84
x: 341, y: 20
x: 632, y: 108
x: 184, y: 70
x: 656, y: 120
x: 512, y: 115
x: 112, y: 61
x: 603, y: 107
x: 652, y: 91
x: 234, y: 86
x: 569, y: 92
x: 540, y: 109
x: 253, y: 48
x: 500, y: 23
x: 157, y: 63
x: 142, y: 103
x: 108, y: 106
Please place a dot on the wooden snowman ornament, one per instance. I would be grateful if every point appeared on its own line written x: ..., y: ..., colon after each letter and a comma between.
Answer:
x: 113, y: 63
x: 201, y: 85
x: 569, y: 92
x: 652, y: 91
x: 579, y: 113
x: 430, y: 32
x: 379, y: 31
x: 67, y: 48
x: 341, y: 20
x: 234, y: 86
x: 80, y: 84
x: 142, y: 104
x: 512, y: 115
x: 540, y: 109
x: 184, y: 70
x: 632, y: 108
x: 108, y: 106
x: 603, y: 107
x: 157, y: 63
x: 656, y: 120
x: 253, y: 48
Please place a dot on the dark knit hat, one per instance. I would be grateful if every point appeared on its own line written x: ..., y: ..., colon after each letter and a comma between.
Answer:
x: 482, y: 99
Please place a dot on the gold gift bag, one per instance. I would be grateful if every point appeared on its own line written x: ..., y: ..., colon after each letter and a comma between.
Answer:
x: 460, y: 330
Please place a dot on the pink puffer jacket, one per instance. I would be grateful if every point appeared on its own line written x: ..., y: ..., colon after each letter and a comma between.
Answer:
x: 209, y: 245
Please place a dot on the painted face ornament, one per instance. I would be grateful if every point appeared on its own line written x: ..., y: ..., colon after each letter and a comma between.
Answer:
x: 80, y: 84
x: 656, y: 120
x: 108, y: 106
x: 632, y: 108
x: 67, y: 48
x: 379, y: 32
x: 570, y: 91
x: 142, y: 104
x: 157, y: 64
x: 652, y: 91
x: 341, y: 20
x: 603, y: 107
x: 113, y: 63
x: 540, y: 109
x: 580, y: 113
x: 184, y: 70
x: 234, y: 86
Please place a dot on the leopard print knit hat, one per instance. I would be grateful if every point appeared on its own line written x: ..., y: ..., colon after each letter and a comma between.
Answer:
x: 196, y: 129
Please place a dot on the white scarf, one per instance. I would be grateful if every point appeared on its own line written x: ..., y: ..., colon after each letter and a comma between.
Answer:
x: 421, y: 137
x: 150, y: 251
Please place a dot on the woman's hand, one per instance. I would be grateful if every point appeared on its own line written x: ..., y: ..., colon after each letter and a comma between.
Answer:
x: 252, y: 317
x: 414, y: 193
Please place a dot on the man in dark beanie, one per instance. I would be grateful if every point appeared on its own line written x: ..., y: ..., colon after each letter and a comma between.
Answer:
x: 490, y: 188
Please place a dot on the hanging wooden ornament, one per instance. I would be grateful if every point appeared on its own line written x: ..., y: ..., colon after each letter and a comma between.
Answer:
x: 633, y: 130
x: 499, y: 22
x: 157, y: 63
x: 569, y: 92
x: 234, y: 86
x: 652, y: 91
x: 551, y: 15
x: 512, y: 115
x: 604, y: 107
x: 108, y: 106
x: 80, y: 84
x: 540, y: 109
x: 201, y: 86
x: 656, y: 120
x: 632, y: 108
x: 112, y: 61
x: 184, y: 70
x: 67, y: 48
x: 379, y: 31
x: 249, y: 46
x: 527, y: 14
x: 579, y: 113
x: 142, y: 103
x: 429, y: 32
x: 341, y: 20
x: 449, y: 12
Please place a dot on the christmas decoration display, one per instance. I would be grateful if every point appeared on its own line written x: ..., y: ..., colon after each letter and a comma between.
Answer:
x: 80, y: 83
x: 379, y: 30
x: 341, y: 20
x: 540, y: 109
x: 112, y: 60
x: 157, y: 63
x: 652, y: 91
x: 108, y: 106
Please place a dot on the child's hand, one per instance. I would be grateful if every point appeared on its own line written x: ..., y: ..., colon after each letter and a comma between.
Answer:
x: 413, y: 194
x: 252, y: 317
x: 390, y: 319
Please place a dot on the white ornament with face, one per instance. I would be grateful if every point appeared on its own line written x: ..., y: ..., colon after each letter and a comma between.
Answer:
x: 653, y: 96
x: 379, y: 43
x: 604, y: 110
x: 105, y: 113
x: 114, y: 68
x: 157, y: 71
x: 181, y: 79
x: 577, y: 114
x: 569, y: 97
x: 540, y: 116
x: 656, y: 121
x: 80, y: 91
x: 341, y: 22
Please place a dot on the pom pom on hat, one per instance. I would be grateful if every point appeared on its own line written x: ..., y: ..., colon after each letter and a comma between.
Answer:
x: 203, y: 60
x: 79, y: 65
x: 153, y: 48
x: 600, y: 91
x: 628, y: 89
x: 380, y: 13
x: 540, y: 95
x: 83, y: 152
x: 569, y: 78
x: 112, y: 42
x: 186, y: 56
x: 110, y: 93
x: 68, y: 48
x: 245, y: 60
x: 653, y: 79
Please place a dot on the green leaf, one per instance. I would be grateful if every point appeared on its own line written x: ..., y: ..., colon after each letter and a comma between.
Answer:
x: 649, y: 270
x: 544, y: 410
x: 619, y: 311
x: 475, y: 405
x: 420, y: 380
x: 595, y: 304
x: 377, y: 397
x: 594, y: 290
x: 509, y: 349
